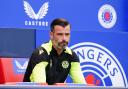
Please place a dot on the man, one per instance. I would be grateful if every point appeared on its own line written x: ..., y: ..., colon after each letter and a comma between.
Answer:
x: 53, y: 61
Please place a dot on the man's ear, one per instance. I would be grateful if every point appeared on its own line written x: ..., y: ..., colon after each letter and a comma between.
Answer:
x: 51, y: 35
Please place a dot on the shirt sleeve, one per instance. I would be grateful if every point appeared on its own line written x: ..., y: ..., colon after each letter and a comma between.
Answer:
x: 38, y: 73
x: 75, y: 71
x: 35, y: 71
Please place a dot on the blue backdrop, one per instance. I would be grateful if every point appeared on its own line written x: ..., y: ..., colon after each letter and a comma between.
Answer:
x: 100, y: 28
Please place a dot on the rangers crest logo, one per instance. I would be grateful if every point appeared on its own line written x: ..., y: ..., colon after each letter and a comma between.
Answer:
x: 107, y: 16
x: 100, y: 67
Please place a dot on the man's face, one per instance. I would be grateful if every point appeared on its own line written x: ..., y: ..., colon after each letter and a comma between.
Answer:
x: 60, y: 36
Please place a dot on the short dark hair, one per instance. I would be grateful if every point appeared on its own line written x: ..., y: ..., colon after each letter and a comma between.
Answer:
x: 59, y: 21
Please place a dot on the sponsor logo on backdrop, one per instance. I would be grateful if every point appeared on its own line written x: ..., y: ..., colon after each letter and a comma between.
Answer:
x: 20, y: 65
x: 36, y: 18
x: 99, y: 65
x: 107, y: 16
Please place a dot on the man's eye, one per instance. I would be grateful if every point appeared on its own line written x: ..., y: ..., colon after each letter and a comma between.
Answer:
x: 67, y: 34
x: 59, y: 34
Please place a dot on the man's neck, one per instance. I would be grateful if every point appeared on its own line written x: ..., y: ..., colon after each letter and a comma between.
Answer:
x: 59, y: 51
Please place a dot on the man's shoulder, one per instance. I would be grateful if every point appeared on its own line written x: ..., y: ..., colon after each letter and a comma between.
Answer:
x: 69, y: 50
x: 47, y: 46
x: 39, y: 51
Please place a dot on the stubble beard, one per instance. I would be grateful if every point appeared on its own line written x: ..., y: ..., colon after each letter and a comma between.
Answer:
x: 62, y: 45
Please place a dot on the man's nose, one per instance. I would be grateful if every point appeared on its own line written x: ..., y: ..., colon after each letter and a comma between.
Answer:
x: 64, y: 37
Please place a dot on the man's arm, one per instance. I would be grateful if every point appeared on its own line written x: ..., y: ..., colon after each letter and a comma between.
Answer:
x: 35, y: 71
x: 38, y: 73
x: 76, y: 73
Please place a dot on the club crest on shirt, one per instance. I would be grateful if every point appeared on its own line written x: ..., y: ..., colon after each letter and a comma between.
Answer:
x: 65, y: 64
